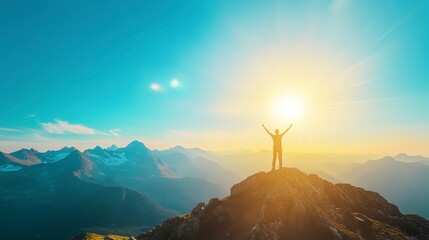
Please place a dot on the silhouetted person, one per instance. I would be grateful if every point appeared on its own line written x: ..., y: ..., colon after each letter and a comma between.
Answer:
x: 277, y: 148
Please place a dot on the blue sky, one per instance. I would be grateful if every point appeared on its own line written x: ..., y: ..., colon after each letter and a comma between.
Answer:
x: 80, y: 73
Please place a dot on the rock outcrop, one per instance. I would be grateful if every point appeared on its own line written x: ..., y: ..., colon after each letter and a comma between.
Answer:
x: 288, y: 204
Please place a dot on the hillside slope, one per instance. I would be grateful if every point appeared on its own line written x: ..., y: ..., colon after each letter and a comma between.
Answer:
x: 52, y: 201
x: 288, y: 204
x: 404, y: 183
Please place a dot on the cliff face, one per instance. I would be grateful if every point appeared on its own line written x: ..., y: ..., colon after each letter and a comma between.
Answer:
x: 288, y: 204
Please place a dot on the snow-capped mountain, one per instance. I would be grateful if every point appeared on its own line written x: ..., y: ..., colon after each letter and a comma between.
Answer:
x: 134, y: 167
x: 135, y: 158
x: 30, y: 156
x: 27, y: 157
x: 9, y: 163
x: 112, y: 148
x: 106, y: 156
x: 59, y: 200
x: 56, y: 155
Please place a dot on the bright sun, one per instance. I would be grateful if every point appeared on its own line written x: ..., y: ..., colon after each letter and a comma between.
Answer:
x: 289, y: 108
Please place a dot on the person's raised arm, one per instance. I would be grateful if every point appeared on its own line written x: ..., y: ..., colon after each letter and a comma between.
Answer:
x: 267, y: 130
x: 283, y: 133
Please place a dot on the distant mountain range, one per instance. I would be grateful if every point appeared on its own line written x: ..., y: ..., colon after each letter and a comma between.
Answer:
x: 130, y: 189
x: 28, y: 157
x: 404, y: 183
x: 58, y: 194
x: 288, y: 204
x: 51, y: 201
x: 403, y: 157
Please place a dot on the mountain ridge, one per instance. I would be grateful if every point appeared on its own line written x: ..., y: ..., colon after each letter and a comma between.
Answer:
x: 289, y: 204
x: 129, y: 196
x: 59, y: 200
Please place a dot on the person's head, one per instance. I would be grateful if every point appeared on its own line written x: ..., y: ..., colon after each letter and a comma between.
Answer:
x: 277, y: 131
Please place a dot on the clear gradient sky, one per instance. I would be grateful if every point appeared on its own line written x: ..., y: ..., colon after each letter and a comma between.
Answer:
x: 88, y: 73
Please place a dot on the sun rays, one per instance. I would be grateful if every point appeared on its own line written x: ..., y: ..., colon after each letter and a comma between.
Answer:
x: 324, y: 73
x: 290, y: 108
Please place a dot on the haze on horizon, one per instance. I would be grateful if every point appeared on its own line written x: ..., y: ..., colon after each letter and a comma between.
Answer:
x: 350, y: 75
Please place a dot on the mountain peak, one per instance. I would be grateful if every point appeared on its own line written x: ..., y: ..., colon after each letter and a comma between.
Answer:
x: 67, y: 149
x: 387, y: 159
x: 402, y: 155
x: 26, y: 157
x: 136, y: 144
x: 76, y: 163
x: 34, y: 150
x: 405, y: 155
x: 289, y: 204
x: 178, y: 148
x: 21, y: 151
x: 112, y: 148
x: 98, y: 148
x: 75, y: 156
x: 75, y: 152
x: 412, y: 158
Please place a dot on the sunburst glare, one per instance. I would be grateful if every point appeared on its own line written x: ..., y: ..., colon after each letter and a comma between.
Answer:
x: 289, y: 108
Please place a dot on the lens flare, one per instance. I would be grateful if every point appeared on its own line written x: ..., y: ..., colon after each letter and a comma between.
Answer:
x: 174, y: 83
x: 155, y: 87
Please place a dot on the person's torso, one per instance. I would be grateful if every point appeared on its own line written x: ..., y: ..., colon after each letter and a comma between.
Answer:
x: 277, y: 140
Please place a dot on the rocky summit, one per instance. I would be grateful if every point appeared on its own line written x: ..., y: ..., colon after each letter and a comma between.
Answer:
x: 289, y: 204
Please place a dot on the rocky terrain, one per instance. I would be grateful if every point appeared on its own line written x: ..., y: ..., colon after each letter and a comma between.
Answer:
x: 93, y: 236
x: 289, y: 204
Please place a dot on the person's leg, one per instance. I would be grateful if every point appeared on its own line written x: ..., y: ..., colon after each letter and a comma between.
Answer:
x: 274, y: 160
x: 280, y: 158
